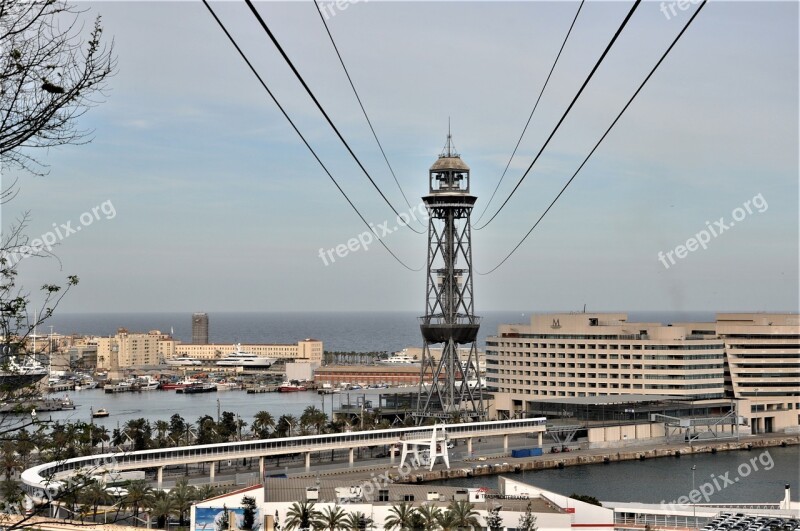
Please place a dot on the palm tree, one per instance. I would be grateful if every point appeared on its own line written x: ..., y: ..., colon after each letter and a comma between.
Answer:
x: 400, y: 516
x: 182, y: 496
x: 139, y: 493
x: 285, y: 425
x: 162, y: 427
x: 447, y: 520
x: 301, y: 515
x: 429, y: 516
x: 465, y: 515
x: 206, y: 491
x: 358, y: 521
x: 161, y: 506
x: 331, y: 518
x: 94, y: 495
x: 10, y: 459
x: 263, y: 421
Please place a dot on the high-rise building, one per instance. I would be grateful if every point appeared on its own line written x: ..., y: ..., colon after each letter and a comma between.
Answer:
x: 199, y: 328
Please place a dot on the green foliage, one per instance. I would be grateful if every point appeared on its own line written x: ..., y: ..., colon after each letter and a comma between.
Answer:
x: 527, y: 522
x: 249, y: 513
x: 585, y: 498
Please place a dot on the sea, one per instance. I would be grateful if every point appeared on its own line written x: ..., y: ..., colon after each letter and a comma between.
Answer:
x: 651, y: 481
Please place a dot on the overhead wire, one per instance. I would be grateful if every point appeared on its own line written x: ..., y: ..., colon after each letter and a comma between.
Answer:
x: 360, y: 104
x: 535, y: 105
x: 646, y: 79
x: 288, y: 118
x: 563, y: 117
x: 289, y: 62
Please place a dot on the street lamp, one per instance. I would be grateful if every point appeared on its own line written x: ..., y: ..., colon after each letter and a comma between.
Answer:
x: 694, y: 505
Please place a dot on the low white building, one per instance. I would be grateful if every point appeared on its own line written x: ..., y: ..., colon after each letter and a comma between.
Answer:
x: 553, y: 512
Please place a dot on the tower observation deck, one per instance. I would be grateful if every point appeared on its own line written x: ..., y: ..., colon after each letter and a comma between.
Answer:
x: 454, y: 393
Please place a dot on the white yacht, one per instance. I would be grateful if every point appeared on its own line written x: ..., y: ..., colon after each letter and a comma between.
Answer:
x: 183, y: 361
x: 14, y: 375
x: 239, y: 358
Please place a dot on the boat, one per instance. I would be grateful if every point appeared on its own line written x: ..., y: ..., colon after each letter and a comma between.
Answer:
x: 227, y: 386
x: 198, y: 387
x: 183, y: 361
x: 100, y: 413
x: 399, y: 359
x: 120, y: 387
x: 239, y: 358
x: 147, y: 383
x: 172, y: 386
x: 15, y: 375
x: 287, y: 387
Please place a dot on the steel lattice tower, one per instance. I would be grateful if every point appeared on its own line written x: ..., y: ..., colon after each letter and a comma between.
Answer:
x: 449, y: 317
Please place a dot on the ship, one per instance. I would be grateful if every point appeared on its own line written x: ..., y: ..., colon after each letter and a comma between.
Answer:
x: 246, y: 360
x: 287, y: 387
x: 14, y: 375
x: 198, y: 387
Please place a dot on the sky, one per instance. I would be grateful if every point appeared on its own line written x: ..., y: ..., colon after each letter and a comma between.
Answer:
x: 205, y: 199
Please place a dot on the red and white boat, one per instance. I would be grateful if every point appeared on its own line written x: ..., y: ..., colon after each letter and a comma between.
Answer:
x: 287, y: 387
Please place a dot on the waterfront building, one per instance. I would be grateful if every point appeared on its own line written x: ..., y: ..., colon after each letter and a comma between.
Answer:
x: 128, y: 349
x: 753, y: 359
x: 306, y: 350
x: 400, y: 374
x: 199, y: 328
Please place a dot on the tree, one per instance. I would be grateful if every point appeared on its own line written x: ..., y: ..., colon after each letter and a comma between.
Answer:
x: 465, y: 515
x: 447, y: 520
x: 357, y: 521
x: 224, y: 523
x: 206, y: 491
x: 285, y: 425
x: 249, y: 516
x: 263, y: 421
x: 94, y: 495
x: 493, y: 520
x: 139, y: 495
x: 161, y: 506
x: 585, y: 498
x: 331, y: 518
x: 49, y: 76
x: 400, y: 516
x: 527, y: 522
x: 429, y: 515
x: 301, y: 515
x: 182, y: 496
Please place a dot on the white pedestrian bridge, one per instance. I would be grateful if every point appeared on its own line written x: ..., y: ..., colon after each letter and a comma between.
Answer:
x: 53, y: 476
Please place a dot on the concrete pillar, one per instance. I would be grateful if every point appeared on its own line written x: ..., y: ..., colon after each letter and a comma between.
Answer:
x: 308, y: 461
x: 261, y: 468
x: 212, y: 469
x: 469, y: 446
x: 351, y: 456
x: 505, y: 443
x: 160, y: 476
x: 539, y: 439
x: 391, y: 454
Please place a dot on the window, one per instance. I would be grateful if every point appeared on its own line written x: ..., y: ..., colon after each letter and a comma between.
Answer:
x: 408, y: 497
x: 383, y: 495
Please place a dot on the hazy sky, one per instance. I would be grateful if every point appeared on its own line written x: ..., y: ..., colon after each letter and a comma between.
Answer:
x: 218, y: 206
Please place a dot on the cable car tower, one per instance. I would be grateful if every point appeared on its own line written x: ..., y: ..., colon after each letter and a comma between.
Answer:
x: 454, y: 392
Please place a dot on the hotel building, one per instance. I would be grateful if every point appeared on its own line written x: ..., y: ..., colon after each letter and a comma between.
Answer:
x: 754, y: 358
